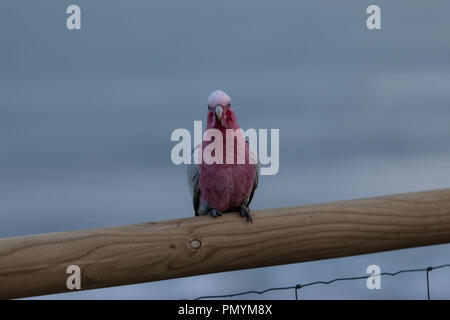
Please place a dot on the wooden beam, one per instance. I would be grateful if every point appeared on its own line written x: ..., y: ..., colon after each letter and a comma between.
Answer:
x: 37, y: 264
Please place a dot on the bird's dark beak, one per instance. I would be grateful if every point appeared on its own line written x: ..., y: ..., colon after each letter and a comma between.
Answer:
x: 219, y: 111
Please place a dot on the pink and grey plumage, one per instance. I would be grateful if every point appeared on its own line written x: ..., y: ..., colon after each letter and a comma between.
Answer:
x: 218, y: 188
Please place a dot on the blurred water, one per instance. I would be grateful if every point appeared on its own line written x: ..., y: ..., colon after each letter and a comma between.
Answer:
x: 86, y: 118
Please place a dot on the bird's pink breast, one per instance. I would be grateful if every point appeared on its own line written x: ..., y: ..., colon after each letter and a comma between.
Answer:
x: 225, y: 186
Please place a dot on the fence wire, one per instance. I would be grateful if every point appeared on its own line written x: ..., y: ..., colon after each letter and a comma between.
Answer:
x: 300, y: 286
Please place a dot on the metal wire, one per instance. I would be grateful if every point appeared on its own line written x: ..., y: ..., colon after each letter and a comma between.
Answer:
x: 298, y: 287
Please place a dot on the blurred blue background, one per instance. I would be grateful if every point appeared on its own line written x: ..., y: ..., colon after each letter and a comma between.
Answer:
x: 86, y: 118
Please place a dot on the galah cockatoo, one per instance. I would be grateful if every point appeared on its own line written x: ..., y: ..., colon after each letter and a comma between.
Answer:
x: 223, y: 187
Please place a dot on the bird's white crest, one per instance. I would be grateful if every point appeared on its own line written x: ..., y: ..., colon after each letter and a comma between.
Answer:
x: 218, y: 97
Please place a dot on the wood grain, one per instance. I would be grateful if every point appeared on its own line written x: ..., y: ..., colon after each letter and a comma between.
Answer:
x: 36, y: 265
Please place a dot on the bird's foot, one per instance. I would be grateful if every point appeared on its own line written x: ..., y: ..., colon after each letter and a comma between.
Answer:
x: 245, y: 212
x: 214, y: 213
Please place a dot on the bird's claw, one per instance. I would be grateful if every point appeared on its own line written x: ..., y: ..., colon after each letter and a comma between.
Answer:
x: 245, y: 212
x: 215, y: 213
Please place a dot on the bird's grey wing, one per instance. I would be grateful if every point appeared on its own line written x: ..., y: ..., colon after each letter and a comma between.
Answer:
x: 255, y: 183
x: 193, y: 176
